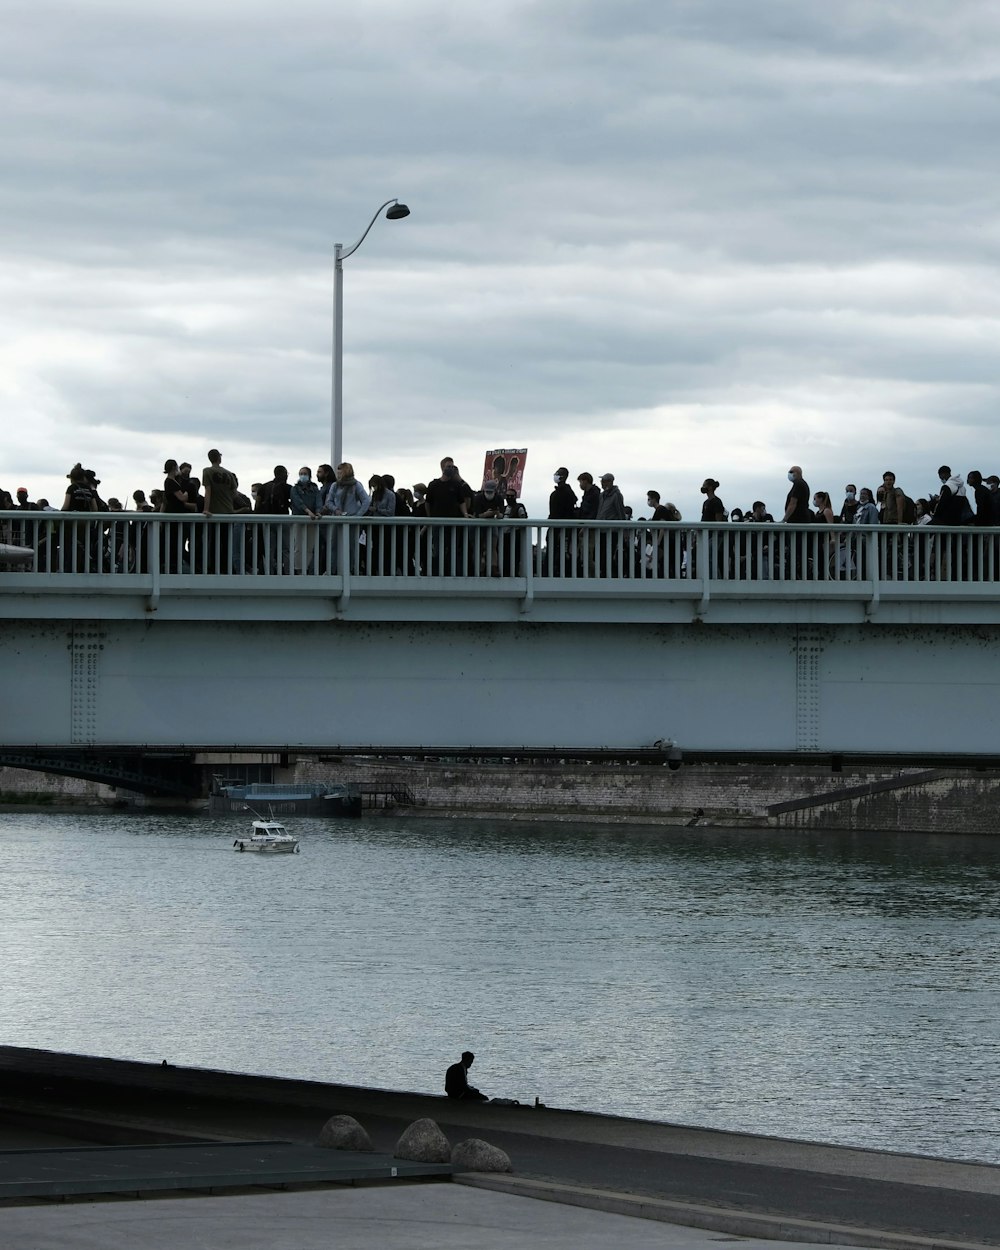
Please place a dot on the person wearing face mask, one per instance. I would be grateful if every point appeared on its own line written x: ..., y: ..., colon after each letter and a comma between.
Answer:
x: 849, y: 507
x: 797, y: 513
x: 562, y: 500
x: 828, y: 555
x: 419, y: 505
x: 713, y: 509
x: 488, y: 501
x: 562, y: 507
x: 857, y: 545
x: 305, y: 502
x: 867, y: 510
x: 305, y: 495
x: 797, y: 501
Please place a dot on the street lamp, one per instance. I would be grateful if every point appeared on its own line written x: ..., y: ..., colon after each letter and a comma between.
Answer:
x: 340, y: 253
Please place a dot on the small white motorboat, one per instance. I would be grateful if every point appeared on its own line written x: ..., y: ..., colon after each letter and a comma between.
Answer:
x: 270, y: 837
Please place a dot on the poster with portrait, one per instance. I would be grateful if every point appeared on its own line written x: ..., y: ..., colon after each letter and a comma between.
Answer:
x: 505, y: 466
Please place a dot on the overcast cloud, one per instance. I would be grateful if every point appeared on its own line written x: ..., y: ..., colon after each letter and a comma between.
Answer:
x: 666, y: 238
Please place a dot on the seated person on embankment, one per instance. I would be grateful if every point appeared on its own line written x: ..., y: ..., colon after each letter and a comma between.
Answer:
x: 456, y: 1080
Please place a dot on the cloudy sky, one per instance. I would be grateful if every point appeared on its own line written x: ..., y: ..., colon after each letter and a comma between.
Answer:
x: 665, y: 238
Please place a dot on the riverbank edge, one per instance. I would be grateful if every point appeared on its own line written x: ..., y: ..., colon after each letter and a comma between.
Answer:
x: 625, y: 820
x: 639, y: 820
x: 807, y: 797
x: 226, y: 1105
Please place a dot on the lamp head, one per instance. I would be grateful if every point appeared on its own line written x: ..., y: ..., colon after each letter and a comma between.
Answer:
x: 395, y: 211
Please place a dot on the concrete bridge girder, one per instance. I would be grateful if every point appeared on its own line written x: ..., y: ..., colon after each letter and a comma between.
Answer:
x: 792, y: 689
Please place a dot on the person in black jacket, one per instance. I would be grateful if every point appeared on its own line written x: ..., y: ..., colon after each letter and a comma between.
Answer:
x: 562, y: 507
x: 456, y: 1080
x: 586, y: 510
x: 562, y: 501
x: 951, y: 509
x: 981, y: 547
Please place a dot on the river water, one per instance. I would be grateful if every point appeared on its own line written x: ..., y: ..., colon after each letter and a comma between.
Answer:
x: 835, y: 987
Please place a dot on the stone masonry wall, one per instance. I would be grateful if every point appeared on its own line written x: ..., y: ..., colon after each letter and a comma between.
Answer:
x: 962, y: 802
x: 24, y: 786
x: 959, y: 801
x: 597, y: 791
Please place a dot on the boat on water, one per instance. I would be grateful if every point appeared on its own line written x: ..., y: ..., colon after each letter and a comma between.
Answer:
x: 269, y: 837
x: 313, y: 798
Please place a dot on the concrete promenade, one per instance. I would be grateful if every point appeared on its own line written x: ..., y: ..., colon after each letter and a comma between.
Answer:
x: 733, y: 1184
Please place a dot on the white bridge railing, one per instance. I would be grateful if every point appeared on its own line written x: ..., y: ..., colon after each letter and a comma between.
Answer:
x: 153, y: 552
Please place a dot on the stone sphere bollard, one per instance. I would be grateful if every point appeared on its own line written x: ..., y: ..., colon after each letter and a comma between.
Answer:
x: 423, y: 1142
x: 343, y: 1132
x: 474, y: 1155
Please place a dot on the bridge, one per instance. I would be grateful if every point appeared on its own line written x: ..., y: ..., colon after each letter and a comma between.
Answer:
x: 146, y: 638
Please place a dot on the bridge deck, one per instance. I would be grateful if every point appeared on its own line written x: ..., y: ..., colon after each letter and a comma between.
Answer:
x: 267, y: 568
x: 372, y: 635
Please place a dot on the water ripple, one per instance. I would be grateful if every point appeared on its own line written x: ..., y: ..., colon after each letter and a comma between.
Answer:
x: 841, y: 988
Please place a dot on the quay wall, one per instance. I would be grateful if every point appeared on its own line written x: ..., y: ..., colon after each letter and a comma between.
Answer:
x: 803, y: 797
x: 950, y: 802
x: 919, y: 800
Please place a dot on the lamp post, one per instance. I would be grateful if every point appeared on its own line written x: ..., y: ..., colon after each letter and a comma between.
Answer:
x: 340, y: 254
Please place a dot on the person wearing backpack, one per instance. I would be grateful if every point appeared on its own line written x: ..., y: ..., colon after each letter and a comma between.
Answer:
x: 78, y: 537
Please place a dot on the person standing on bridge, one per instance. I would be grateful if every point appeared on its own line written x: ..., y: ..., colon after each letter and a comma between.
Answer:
x: 346, y: 498
x: 448, y: 498
x: 952, y: 509
x: 274, y: 498
x: 849, y: 507
x: 610, y: 507
x: 708, y: 561
x: 562, y: 507
x: 220, y: 495
x: 892, y: 500
x: 828, y: 554
x: 983, y: 517
x: 586, y: 510
x: 192, y: 485
x: 797, y: 513
x: 176, y: 503
x: 993, y: 482
x: 77, y: 537
x: 306, y: 501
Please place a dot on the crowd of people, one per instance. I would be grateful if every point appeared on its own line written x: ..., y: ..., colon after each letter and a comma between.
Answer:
x: 974, y: 499
x: 336, y: 492
x: 332, y: 492
x: 121, y: 546
x: 950, y: 504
